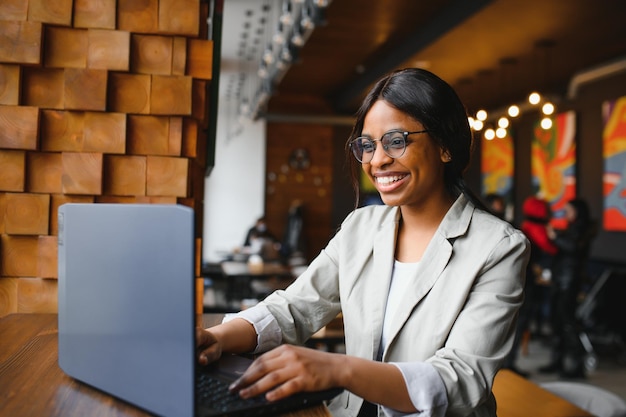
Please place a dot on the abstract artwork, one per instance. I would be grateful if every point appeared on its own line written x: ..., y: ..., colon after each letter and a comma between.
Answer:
x: 553, y: 164
x: 614, y: 152
x: 496, y: 167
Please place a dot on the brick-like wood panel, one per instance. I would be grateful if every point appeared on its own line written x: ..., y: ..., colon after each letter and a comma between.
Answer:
x: 100, y: 102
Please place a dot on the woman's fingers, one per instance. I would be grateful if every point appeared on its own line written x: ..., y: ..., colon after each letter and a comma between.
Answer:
x: 283, y: 372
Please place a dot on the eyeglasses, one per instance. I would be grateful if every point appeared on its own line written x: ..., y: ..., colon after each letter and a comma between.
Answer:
x: 394, y: 144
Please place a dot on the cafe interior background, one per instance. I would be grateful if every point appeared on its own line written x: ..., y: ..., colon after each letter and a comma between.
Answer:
x: 242, y: 108
x: 293, y: 73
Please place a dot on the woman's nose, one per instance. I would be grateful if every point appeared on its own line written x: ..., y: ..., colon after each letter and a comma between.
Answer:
x: 380, y: 157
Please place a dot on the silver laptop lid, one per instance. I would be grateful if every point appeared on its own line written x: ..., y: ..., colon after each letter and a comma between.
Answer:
x: 126, y: 294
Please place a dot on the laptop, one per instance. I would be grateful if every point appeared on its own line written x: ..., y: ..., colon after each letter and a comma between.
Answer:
x: 127, y: 315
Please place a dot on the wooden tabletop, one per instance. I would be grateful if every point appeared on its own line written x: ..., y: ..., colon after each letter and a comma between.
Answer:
x: 32, y: 384
x: 518, y: 397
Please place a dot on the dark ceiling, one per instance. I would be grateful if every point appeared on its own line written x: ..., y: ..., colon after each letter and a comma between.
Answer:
x: 493, y: 52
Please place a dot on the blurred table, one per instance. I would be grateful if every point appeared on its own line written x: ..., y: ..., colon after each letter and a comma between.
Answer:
x: 239, y: 275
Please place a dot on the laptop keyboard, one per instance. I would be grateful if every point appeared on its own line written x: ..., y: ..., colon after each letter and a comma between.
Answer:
x: 213, y: 393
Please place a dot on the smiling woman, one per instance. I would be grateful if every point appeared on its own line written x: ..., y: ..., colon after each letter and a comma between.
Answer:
x: 428, y: 284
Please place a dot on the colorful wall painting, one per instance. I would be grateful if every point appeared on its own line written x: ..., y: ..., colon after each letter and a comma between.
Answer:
x: 614, y: 152
x: 496, y: 167
x: 553, y: 164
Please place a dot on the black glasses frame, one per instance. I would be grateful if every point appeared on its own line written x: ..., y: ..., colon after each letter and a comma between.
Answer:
x: 354, y: 145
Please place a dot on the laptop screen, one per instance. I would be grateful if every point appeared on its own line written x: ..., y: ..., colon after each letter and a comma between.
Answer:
x: 126, y: 302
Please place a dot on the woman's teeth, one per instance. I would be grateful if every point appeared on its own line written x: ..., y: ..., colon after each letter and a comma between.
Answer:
x: 388, y: 180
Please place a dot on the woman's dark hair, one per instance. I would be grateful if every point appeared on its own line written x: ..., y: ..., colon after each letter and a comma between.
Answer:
x: 431, y: 101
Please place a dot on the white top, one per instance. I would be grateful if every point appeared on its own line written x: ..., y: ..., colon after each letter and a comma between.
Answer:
x: 400, y: 278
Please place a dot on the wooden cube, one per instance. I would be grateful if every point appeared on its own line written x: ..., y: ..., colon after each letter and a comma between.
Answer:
x: 47, y: 257
x: 21, y: 42
x: 171, y: 95
x: 179, y: 55
x: 82, y: 173
x: 37, y: 295
x: 189, y: 138
x: 180, y: 17
x: 150, y: 135
x: 14, y: 9
x: 3, y: 204
x: 44, y: 172
x: 200, y: 58
x: 43, y: 87
x: 9, y: 84
x: 129, y: 93
x: 175, y: 136
x: 57, y: 200
x: 85, y: 89
x: 65, y: 48
x: 125, y: 175
x: 167, y: 176
x: 62, y: 131
x: 26, y: 214
x: 8, y: 295
x: 138, y: 15
x: 58, y: 12
x: 13, y: 165
x: 108, y: 49
x: 94, y: 14
x: 18, y: 256
x: 19, y: 127
x: 105, y: 132
x: 151, y: 54
x: 199, y: 107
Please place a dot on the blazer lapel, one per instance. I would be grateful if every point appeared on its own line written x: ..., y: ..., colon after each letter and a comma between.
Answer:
x: 433, y: 262
x: 384, y: 255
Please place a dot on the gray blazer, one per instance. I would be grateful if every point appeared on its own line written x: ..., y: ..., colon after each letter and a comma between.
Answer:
x: 459, y: 314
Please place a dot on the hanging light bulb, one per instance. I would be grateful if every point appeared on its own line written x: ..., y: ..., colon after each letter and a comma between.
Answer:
x: 513, y: 111
x: 501, y: 132
x: 534, y: 98
x: 490, y: 134
x: 547, y: 108
x: 268, y: 55
x: 546, y: 123
x: 478, y: 125
x: 503, y: 122
x: 481, y: 115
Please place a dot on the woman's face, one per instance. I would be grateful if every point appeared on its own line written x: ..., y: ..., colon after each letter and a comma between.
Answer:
x: 415, y: 176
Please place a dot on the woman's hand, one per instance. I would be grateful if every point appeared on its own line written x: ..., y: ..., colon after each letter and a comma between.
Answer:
x: 235, y: 336
x: 207, y: 346
x: 288, y: 369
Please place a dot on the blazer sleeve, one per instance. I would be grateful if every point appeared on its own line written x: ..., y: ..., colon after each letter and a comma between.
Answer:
x: 483, y: 332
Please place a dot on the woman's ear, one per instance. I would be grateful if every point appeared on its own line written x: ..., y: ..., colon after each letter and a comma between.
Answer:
x: 445, y: 156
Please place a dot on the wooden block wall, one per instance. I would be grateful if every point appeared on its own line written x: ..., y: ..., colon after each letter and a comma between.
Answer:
x: 100, y: 102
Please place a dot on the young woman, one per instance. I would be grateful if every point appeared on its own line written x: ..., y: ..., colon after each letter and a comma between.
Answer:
x: 428, y: 283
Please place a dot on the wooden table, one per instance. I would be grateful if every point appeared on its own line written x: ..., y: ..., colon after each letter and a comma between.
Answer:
x: 32, y: 384
x: 518, y: 397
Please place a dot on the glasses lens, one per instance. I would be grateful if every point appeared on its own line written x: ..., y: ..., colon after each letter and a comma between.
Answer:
x: 363, y: 149
x: 394, y: 144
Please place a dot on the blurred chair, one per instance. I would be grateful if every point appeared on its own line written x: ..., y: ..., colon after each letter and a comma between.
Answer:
x: 597, y: 401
